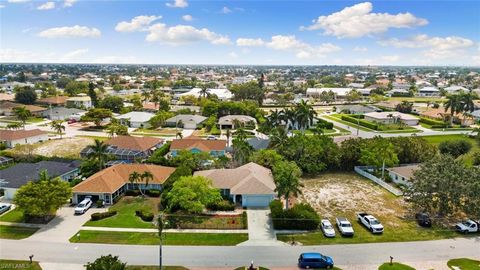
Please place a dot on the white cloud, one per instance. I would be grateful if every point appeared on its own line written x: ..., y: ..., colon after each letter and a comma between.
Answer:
x: 436, y: 47
x: 139, y: 23
x: 178, y: 4
x: 69, y: 3
x: 183, y: 34
x: 360, y: 49
x: 17, y: 1
x: 226, y: 10
x: 46, y: 6
x: 76, y: 31
x: 358, y: 21
x: 2, y: 6
x: 187, y: 18
x: 250, y: 42
x: 233, y: 55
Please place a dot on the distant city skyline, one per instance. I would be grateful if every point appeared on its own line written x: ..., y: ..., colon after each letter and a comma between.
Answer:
x: 241, y: 32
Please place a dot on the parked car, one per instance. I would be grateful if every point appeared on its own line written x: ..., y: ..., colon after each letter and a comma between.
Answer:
x: 83, y: 206
x: 327, y: 228
x: 370, y: 222
x: 211, y: 137
x: 4, y: 207
x: 468, y: 226
x: 314, y: 260
x: 344, y: 226
x: 423, y: 219
x: 72, y: 121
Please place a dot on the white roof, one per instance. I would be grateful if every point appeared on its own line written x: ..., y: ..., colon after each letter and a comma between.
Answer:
x: 455, y: 88
x: 137, y: 116
x: 337, y: 91
x: 386, y: 115
x: 429, y: 89
x: 221, y: 93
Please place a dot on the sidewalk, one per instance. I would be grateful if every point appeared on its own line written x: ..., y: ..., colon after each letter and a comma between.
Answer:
x: 108, y: 229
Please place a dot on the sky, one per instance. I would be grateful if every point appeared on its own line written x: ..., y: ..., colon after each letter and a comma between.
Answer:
x: 249, y: 32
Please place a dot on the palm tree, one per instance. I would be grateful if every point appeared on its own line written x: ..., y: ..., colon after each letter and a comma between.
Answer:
x: 203, y: 91
x: 467, y: 99
x: 58, y: 127
x: 156, y: 97
x: 305, y: 114
x: 274, y: 118
x: 454, y: 104
x: 287, y: 180
x: 133, y: 178
x: 288, y: 116
x: 228, y: 134
x: 14, y: 126
x: 241, y: 149
x: 22, y: 114
x: 99, y: 153
x: 278, y: 137
x: 146, y: 96
x: 146, y: 177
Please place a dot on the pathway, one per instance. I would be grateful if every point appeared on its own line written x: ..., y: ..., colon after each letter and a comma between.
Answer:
x: 260, y: 229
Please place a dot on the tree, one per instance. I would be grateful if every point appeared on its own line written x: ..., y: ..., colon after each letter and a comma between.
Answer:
x: 106, y: 262
x: 304, y: 114
x: 58, y: 126
x: 92, y: 94
x: 287, y: 179
x: 157, y: 97
x: 405, y: 107
x: 89, y: 167
x: 74, y: 88
x: 113, y: 103
x: 266, y: 157
x: 192, y: 194
x: 278, y: 137
x: 379, y: 152
x: 353, y: 95
x: 99, y: 153
x: 42, y: 198
x: 22, y: 114
x: 96, y: 115
x: 454, y: 104
x: 160, y: 118
x: 241, y: 149
x: 146, y: 96
x: 455, y: 148
x: 25, y: 95
x: 203, y: 91
x: 145, y: 178
x: 133, y: 178
x: 248, y: 91
x: 191, y: 160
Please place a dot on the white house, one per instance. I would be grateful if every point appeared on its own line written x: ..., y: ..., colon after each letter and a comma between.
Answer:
x: 455, y: 88
x: 136, y: 119
x: 391, y: 118
x: 428, y: 91
x: 80, y: 101
x: 20, y: 137
x: 402, y: 174
x: 221, y: 93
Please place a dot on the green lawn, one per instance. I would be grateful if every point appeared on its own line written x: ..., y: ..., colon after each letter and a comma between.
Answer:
x: 125, y: 217
x: 174, y: 239
x: 183, y: 221
x: 14, y: 232
x: 14, y: 215
x: 16, y: 264
x: 154, y: 267
x: 467, y: 158
x: 336, y: 118
x: 418, y: 99
x: 464, y: 264
x: 395, y: 266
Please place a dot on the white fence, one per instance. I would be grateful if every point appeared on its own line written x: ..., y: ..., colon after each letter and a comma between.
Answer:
x: 363, y: 171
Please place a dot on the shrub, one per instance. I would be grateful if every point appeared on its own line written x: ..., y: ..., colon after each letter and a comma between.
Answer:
x: 99, y: 216
x: 299, y: 217
x: 326, y: 124
x: 362, y: 122
x: 153, y: 192
x: 75, y: 182
x: 455, y: 148
x: 215, y: 131
x: 433, y: 123
x: 476, y: 158
x: 145, y: 215
x: 221, y: 206
x: 132, y: 192
x: 99, y: 203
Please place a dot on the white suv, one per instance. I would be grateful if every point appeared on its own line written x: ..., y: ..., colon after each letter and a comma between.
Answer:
x: 83, y: 206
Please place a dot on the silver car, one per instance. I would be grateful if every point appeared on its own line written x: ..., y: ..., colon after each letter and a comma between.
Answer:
x: 327, y: 228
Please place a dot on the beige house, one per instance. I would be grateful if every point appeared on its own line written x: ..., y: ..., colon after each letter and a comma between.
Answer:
x: 20, y: 137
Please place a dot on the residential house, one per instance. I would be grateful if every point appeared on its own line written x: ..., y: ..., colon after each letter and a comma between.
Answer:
x: 391, y: 118
x: 20, y: 174
x: 136, y: 119
x: 441, y: 114
x: 455, y: 89
x: 187, y: 121
x: 6, y: 108
x: 53, y: 101
x: 81, y: 101
x: 221, y: 93
x: 129, y: 148
x: 216, y: 148
x: 340, y: 93
x: 61, y: 113
x: 402, y: 174
x: 228, y: 121
x: 250, y: 185
x: 357, y: 109
x: 110, y: 183
x: 429, y: 91
x: 19, y: 137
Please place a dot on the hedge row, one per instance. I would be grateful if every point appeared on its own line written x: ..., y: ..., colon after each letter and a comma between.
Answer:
x: 326, y: 124
x: 136, y: 192
x: 221, y: 206
x: 144, y: 215
x: 299, y: 217
x: 99, y: 216
x: 362, y: 122
x: 433, y: 123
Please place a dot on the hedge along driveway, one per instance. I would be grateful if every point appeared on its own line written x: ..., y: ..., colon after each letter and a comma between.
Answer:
x: 125, y: 217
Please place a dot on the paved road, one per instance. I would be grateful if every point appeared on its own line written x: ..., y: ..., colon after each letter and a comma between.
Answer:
x: 271, y: 256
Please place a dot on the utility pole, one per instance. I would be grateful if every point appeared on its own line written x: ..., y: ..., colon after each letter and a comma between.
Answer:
x: 161, y: 226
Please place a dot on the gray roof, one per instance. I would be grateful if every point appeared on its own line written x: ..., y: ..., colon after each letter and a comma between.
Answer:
x: 186, y: 118
x: 22, y: 173
x: 358, y: 108
x: 258, y: 143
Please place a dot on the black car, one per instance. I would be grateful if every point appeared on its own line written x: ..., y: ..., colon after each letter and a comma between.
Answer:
x: 423, y: 219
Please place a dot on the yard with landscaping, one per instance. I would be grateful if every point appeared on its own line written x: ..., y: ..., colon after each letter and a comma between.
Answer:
x: 218, y: 222
x: 174, y: 239
x: 327, y: 194
x: 17, y: 264
x: 467, y: 158
x: 164, y: 132
x: 66, y: 147
x: 14, y: 215
x: 16, y: 232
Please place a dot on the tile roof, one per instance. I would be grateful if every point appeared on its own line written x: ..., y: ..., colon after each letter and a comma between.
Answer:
x: 134, y: 143
x: 8, y: 106
x: 57, y: 100
x: 191, y: 142
x: 10, y: 135
x: 250, y: 178
x: 112, y: 178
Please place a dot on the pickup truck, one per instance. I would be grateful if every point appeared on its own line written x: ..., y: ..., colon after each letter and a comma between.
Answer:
x: 344, y: 226
x: 370, y: 222
x: 468, y: 226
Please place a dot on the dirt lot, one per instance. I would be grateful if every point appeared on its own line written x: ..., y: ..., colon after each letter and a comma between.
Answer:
x: 66, y: 147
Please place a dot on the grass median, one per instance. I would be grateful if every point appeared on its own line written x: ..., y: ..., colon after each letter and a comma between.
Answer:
x: 15, y: 232
x: 16, y: 264
x: 173, y: 239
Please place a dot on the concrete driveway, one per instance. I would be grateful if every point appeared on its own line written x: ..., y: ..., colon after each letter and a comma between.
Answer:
x: 260, y: 229
x: 63, y: 226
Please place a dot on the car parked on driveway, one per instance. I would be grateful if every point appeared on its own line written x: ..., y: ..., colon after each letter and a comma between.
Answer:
x: 344, y: 226
x: 423, y: 219
x: 314, y: 260
x: 327, y: 228
x: 4, y: 207
x: 468, y: 226
x: 370, y: 222
x: 83, y: 206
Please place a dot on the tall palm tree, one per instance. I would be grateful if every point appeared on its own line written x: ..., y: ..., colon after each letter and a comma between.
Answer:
x: 146, y: 96
x: 287, y: 180
x: 467, y: 99
x: 288, y: 116
x: 278, y: 137
x: 203, y: 91
x: 99, y: 153
x: 304, y: 114
x: 58, y: 126
x: 22, y: 114
x: 133, y: 178
x: 146, y: 177
x: 454, y: 104
x: 274, y: 118
x: 156, y: 97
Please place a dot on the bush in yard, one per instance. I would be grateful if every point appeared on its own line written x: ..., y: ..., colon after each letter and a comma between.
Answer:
x: 359, y: 121
x: 146, y: 216
x: 106, y: 262
x: 131, y: 192
x: 299, y: 217
x: 99, y: 216
x: 455, y: 148
x: 153, y: 193
x: 99, y: 203
x: 476, y: 158
x: 433, y: 123
x: 221, y: 206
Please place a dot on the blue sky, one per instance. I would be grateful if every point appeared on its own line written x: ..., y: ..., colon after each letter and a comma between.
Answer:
x: 241, y: 32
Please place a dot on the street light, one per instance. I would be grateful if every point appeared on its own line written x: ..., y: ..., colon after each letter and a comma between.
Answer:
x: 161, y: 226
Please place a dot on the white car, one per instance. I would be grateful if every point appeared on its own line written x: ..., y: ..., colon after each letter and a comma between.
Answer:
x: 83, y: 206
x: 327, y: 228
x: 4, y: 207
x: 344, y: 226
x: 468, y: 226
x: 211, y: 137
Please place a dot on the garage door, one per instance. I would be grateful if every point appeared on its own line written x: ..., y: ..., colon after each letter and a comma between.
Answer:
x: 256, y: 200
x: 189, y: 125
